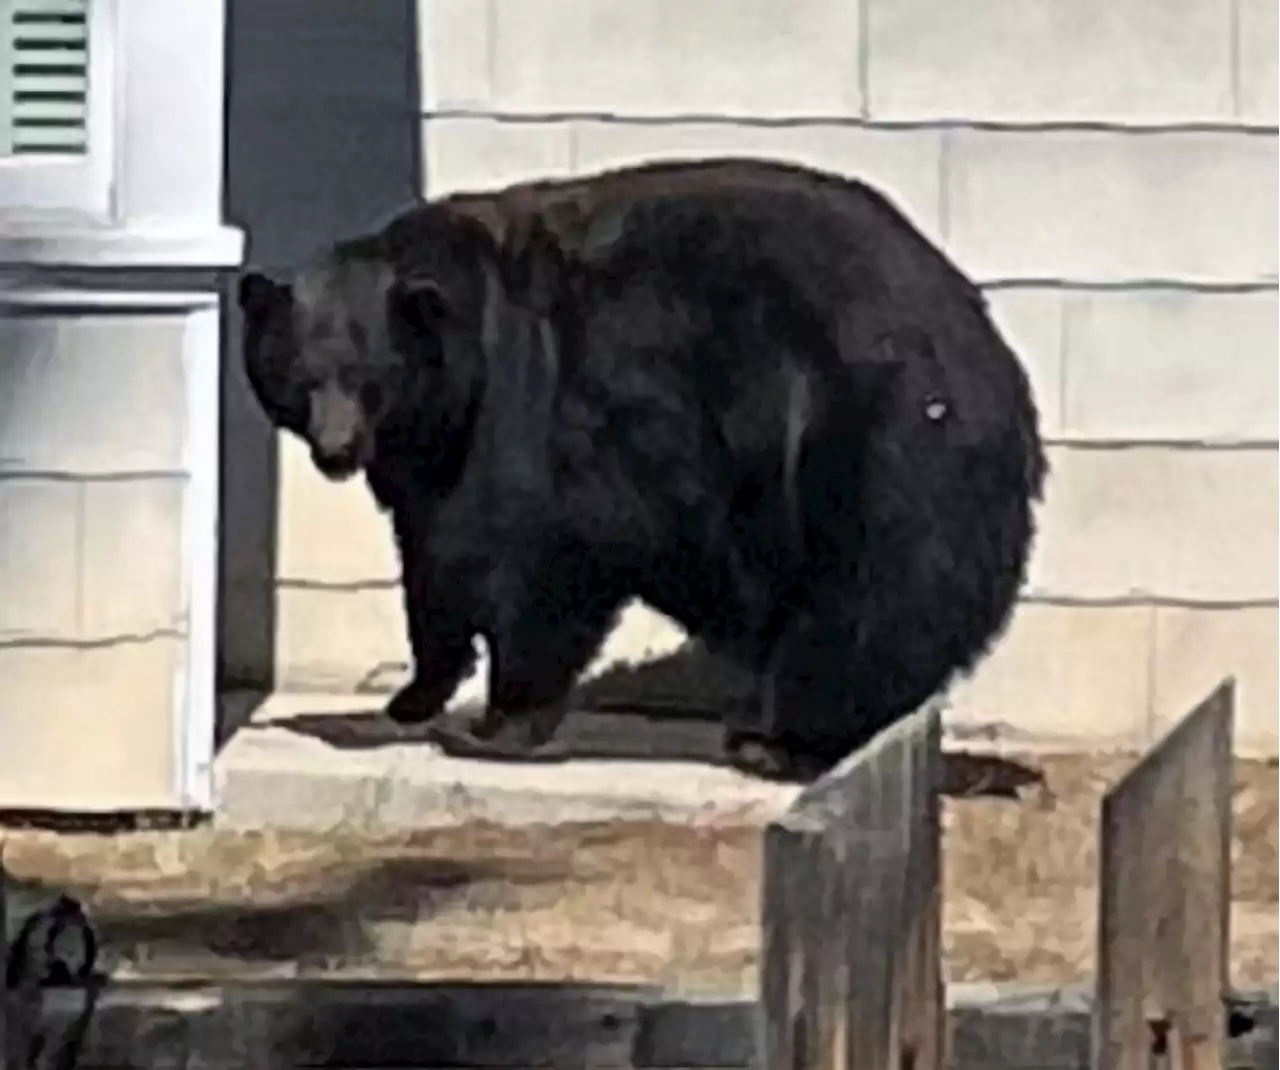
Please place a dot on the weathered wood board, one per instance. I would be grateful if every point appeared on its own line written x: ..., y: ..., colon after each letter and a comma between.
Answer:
x: 288, y: 1025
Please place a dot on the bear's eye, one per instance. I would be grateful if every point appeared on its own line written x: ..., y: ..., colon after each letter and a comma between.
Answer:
x: 371, y: 396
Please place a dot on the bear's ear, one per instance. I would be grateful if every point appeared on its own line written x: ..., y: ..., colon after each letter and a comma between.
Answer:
x: 258, y: 295
x: 419, y: 303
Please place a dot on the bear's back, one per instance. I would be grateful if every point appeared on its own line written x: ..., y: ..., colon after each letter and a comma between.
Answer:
x: 827, y: 280
x: 572, y: 207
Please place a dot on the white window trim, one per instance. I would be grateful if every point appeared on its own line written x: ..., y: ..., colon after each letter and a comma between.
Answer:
x: 35, y: 191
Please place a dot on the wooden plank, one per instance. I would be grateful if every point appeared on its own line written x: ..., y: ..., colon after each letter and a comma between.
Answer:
x: 704, y: 1033
x: 850, y: 968
x: 923, y: 1030
x: 282, y: 1025
x: 878, y: 845
x: 1165, y: 897
x: 782, y: 889
x: 477, y: 1026
x: 6, y: 1059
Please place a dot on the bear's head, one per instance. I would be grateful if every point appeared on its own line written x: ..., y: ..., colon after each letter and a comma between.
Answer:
x: 343, y: 354
x: 386, y: 342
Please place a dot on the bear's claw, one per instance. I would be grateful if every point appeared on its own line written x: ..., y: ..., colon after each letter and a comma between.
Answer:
x: 510, y: 743
x: 769, y: 760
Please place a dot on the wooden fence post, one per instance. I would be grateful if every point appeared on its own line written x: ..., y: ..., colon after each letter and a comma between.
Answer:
x: 1165, y: 899
x: 4, y: 963
x: 852, y: 913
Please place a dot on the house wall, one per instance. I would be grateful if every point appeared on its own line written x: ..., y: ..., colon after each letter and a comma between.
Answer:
x: 109, y: 444
x: 1107, y: 170
x: 103, y: 627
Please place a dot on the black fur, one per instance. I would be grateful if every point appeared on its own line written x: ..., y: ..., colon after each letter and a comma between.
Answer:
x: 671, y: 453
x: 349, y: 327
x: 775, y: 413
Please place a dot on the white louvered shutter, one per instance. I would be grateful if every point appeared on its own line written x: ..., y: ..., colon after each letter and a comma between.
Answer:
x: 44, y: 77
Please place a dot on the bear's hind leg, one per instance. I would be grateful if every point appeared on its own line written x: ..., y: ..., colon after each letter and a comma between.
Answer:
x: 767, y: 758
x: 533, y: 665
x: 813, y: 710
x: 842, y: 671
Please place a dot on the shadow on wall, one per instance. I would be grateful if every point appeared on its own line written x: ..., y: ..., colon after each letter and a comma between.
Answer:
x: 324, y: 140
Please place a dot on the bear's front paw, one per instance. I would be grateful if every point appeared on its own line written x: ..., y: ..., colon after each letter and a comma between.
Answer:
x: 416, y: 703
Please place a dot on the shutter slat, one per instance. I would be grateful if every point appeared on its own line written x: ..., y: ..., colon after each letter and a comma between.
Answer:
x: 37, y: 86
x: 37, y: 112
x: 27, y: 10
x: 53, y: 34
x: 47, y: 55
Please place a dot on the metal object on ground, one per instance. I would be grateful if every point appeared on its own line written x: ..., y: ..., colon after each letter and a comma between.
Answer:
x: 54, y: 949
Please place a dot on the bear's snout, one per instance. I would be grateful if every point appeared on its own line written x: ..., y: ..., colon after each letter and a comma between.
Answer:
x: 338, y: 464
x: 338, y: 433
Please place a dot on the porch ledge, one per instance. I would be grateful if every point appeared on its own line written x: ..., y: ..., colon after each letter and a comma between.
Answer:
x: 280, y: 770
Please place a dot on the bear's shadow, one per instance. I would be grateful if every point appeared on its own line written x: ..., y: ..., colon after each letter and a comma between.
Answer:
x: 668, y: 710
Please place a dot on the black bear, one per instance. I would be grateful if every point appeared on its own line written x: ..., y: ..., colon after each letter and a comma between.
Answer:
x: 770, y: 409
x: 320, y: 357
x: 298, y: 386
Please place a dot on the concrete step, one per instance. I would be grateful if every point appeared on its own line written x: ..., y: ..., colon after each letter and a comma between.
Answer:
x: 334, y: 760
